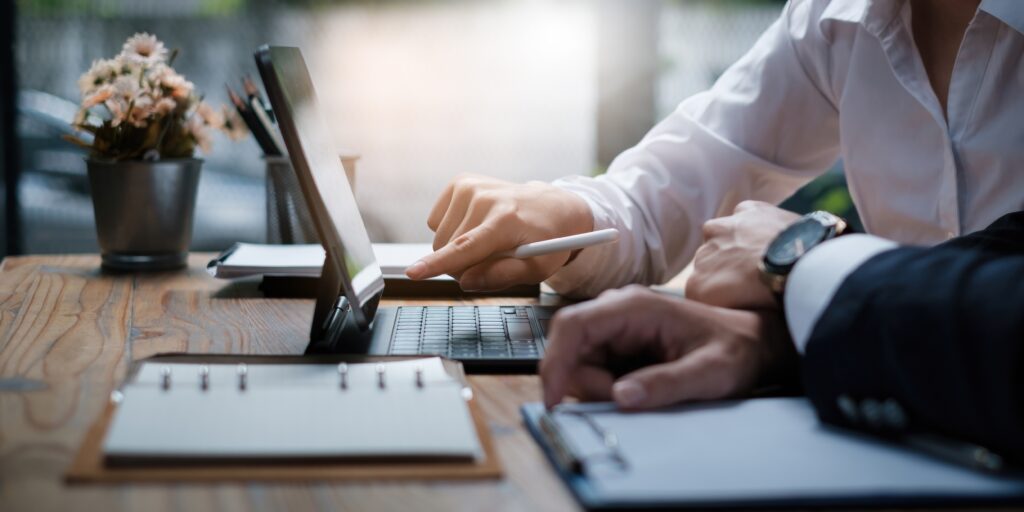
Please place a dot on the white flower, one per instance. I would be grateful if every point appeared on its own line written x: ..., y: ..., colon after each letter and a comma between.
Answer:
x: 176, y: 85
x: 127, y: 88
x: 101, y: 72
x: 128, y: 68
x: 145, y: 49
x: 210, y: 117
x: 234, y: 126
x: 142, y: 110
x: 164, y: 106
x: 118, y: 109
x: 156, y: 74
x: 200, y: 134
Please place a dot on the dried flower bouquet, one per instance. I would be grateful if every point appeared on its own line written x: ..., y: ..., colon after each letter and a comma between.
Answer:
x: 137, y: 107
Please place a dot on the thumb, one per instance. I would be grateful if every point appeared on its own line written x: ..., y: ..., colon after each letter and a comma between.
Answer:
x: 691, y: 377
x: 499, y: 274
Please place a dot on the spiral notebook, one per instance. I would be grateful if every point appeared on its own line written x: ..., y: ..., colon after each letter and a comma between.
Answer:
x: 350, y: 435
x: 210, y: 413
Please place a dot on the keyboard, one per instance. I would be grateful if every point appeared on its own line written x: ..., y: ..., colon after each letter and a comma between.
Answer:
x: 465, y: 332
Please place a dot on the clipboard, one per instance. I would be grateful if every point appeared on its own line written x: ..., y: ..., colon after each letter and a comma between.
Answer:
x: 755, y: 453
x: 88, y: 465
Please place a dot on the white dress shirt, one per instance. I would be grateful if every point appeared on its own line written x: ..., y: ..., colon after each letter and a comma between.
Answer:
x: 826, y: 80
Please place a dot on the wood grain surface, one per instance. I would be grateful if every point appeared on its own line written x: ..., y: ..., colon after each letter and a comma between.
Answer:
x: 68, y: 333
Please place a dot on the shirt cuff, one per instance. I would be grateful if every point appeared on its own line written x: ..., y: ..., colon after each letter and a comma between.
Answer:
x: 818, y: 275
x: 568, y: 279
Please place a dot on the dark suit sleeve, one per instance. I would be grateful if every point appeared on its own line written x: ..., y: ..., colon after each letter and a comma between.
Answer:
x: 937, y: 333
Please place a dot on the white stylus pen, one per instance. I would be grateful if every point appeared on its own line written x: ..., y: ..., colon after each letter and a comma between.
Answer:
x: 565, y: 243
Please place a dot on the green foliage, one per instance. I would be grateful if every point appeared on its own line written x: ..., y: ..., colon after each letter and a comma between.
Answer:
x: 829, y: 193
x: 209, y: 8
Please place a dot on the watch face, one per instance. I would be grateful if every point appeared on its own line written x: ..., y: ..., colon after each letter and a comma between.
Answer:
x: 794, y: 241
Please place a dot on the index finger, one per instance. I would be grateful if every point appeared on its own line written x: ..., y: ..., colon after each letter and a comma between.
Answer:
x: 616, y: 320
x: 464, y: 251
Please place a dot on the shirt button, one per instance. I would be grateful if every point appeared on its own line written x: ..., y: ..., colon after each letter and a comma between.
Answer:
x: 848, y: 408
x: 872, y: 412
x: 894, y: 415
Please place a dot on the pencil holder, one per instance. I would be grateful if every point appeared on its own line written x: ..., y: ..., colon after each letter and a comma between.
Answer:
x: 288, y: 217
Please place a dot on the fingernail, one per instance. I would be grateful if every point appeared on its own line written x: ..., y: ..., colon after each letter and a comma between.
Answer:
x: 416, y: 270
x: 628, y: 393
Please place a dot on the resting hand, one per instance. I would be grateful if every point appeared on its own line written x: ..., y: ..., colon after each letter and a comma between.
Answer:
x: 725, y: 268
x: 476, y: 217
x: 699, y: 352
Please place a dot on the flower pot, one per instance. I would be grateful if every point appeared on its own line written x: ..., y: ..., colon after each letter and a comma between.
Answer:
x: 144, y: 212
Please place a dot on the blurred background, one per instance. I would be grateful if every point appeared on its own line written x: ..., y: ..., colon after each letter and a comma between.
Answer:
x: 422, y: 89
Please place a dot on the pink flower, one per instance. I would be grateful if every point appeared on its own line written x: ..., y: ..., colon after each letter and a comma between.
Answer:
x: 210, y: 117
x: 177, y: 86
x: 164, y: 106
x: 141, y: 111
x: 200, y: 134
x: 234, y: 126
x: 99, y: 96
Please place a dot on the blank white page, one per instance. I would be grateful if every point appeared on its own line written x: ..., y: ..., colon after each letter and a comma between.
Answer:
x: 294, y: 411
x: 306, y: 260
x: 757, y: 450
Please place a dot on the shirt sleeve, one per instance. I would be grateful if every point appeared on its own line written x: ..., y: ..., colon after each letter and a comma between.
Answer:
x: 818, y: 274
x: 768, y: 126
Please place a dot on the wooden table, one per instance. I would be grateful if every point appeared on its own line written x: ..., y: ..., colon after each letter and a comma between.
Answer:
x: 68, y: 334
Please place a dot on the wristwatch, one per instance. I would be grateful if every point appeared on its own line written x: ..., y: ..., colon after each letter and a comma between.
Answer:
x: 793, y: 242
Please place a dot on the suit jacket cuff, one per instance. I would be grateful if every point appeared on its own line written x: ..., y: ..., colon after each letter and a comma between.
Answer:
x: 818, y: 274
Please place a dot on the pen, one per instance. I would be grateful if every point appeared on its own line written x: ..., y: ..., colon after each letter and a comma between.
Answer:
x: 565, y: 243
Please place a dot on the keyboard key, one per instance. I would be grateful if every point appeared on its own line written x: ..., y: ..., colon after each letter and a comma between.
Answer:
x: 520, y: 331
